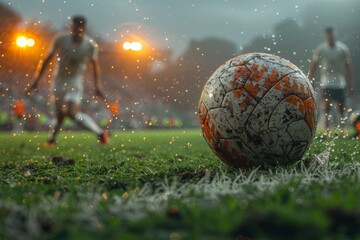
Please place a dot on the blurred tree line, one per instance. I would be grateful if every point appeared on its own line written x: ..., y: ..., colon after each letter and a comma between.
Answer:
x: 296, y: 42
x: 292, y: 39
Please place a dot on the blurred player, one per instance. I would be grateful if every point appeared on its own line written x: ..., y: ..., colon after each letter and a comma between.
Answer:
x: 73, y: 52
x: 334, y: 60
x: 18, y: 110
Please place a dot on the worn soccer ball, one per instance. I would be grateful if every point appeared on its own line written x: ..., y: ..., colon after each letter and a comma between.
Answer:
x: 258, y: 109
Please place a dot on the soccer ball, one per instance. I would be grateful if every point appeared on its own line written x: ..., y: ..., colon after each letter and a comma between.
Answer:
x: 258, y: 109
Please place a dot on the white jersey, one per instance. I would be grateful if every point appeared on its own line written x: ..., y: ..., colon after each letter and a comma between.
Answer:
x: 72, y: 59
x: 332, y: 63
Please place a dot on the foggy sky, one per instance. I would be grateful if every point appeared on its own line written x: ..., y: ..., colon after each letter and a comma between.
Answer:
x: 171, y: 23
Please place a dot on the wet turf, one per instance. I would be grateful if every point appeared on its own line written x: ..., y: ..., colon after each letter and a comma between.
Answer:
x: 169, y: 185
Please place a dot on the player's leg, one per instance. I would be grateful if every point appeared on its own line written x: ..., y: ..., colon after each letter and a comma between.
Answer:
x: 86, y: 121
x: 60, y: 115
x: 340, y: 107
x: 326, y: 106
x: 82, y: 118
x: 340, y: 97
x: 18, y: 124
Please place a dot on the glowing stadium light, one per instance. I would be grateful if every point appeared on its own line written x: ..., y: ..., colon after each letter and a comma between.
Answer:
x: 21, y: 41
x: 127, y: 46
x: 30, y: 42
x: 134, y: 46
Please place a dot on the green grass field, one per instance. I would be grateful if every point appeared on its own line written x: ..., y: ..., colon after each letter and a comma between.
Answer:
x: 169, y: 185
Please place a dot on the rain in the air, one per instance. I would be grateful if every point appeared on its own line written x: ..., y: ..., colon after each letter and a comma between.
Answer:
x: 179, y: 119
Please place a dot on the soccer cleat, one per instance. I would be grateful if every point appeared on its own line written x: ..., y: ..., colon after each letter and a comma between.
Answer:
x: 50, y: 143
x: 104, y: 137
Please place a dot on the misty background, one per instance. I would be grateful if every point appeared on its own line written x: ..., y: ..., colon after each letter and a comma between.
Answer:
x: 184, y: 43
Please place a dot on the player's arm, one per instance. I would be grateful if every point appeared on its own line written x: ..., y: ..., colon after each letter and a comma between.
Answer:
x: 97, y: 76
x: 94, y: 61
x: 312, y: 69
x: 42, y: 66
x: 39, y: 73
x: 313, y: 65
x: 348, y: 72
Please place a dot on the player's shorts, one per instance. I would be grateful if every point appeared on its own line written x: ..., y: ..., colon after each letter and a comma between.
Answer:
x: 62, y: 96
x: 67, y: 90
x: 334, y: 94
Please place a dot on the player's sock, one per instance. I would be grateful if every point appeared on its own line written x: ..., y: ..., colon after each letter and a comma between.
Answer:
x: 104, y: 138
x: 87, y: 122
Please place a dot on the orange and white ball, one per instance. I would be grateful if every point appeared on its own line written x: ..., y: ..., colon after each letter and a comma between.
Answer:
x: 258, y: 109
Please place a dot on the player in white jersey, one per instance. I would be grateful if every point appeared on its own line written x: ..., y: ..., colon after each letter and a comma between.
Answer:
x: 334, y: 60
x: 73, y: 52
